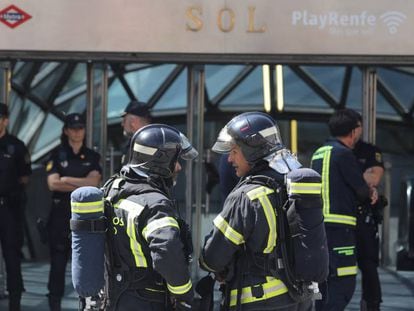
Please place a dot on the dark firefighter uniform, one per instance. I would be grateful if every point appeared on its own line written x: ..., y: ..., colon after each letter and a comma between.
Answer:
x: 14, y: 164
x: 367, y: 231
x: 239, y: 247
x: 65, y: 163
x: 342, y: 186
x: 149, y: 258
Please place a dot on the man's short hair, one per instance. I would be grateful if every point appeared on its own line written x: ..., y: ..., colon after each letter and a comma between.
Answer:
x: 138, y: 109
x: 343, y: 121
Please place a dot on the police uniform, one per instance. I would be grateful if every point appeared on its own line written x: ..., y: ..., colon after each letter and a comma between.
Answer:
x: 342, y: 186
x: 65, y: 162
x: 149, y: 262
x: 239, y: 247
x: 367, y: 232
x: 14, y: 164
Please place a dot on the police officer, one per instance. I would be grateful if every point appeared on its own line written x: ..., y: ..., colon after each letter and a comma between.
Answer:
x: 71, y: 165
x: 368, y: 217
x: 149, y: 247
x: 342, y: 186
x: 135, y: 116
x: 239, y: 248
x: 14, y: 175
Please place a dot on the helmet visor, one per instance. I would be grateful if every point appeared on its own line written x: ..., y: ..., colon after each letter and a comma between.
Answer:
x: 224, y: 142
x: 188, y: 152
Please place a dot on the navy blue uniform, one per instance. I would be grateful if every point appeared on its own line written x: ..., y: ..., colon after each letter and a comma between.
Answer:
x: 14, y: 164
x: 247, y: 227
x: 65, y: 163
x: 342, y: 187
x: 367, y: 232
x: 146, y: 240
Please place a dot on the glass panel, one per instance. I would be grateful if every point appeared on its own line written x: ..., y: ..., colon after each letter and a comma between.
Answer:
x: 176, y: 95
x: 16, y: 104
x: 117, y: 99
x: 77, y: 78
x: 46, y: 86
x: 330, y: 77
x: 218, y: 76
x: 298, y: 93
x: 44, y: 70
x: 354, y: 99
x: 400, y: 84
x: 27, y: 120
x: 383, y: 106
x: 75, y: 104
x: 144, y: 83
x: 248, y: 93
x: 48, y: 137
x: 21, y: 72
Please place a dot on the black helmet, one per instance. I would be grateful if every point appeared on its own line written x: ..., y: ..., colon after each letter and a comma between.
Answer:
x: 155, y: 149
x: 256, y: 133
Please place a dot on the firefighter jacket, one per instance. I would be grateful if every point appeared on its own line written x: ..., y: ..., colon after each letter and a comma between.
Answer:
x: 146, y: 239
x: 243, y: 235
x: 343, y: 185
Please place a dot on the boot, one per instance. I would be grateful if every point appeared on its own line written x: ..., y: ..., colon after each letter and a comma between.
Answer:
x: 54, y: 303
x: 14, y: 301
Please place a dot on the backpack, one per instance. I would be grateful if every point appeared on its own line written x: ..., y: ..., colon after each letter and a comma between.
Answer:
x: 301, y: 255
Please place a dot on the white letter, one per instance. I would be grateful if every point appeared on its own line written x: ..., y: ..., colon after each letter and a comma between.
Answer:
x: 296, y: 16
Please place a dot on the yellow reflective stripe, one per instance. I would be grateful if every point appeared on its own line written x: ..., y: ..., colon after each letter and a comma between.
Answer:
x: 340, y: 219
x: 131, y: 207
x: 87, y: 207
x: 325, y: 180
x: 261, y: 194
x: 136, y: 248
x: 305, y: 188
x: 320, y: 153
x: 117, y: 204
x: 228, y: 231
x: 272, y: 288
x: 159, y: 223
x: 328, y: 216
x: 134, y: 210
x: 180, y: 290
x: 344, y: 271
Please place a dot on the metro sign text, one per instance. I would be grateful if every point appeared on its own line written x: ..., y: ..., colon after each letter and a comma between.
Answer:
x: 12, y: 16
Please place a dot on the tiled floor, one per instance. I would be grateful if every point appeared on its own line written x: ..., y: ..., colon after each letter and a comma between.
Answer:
x: 398, y: 290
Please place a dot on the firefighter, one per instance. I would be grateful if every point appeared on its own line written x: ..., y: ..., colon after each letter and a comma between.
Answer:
x: 342, y: 187
x: 240, y: 248
x: 149, y: 242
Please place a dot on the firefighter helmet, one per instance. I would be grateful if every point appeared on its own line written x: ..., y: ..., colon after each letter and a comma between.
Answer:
x: 256, y: 133
x: 155, y: 149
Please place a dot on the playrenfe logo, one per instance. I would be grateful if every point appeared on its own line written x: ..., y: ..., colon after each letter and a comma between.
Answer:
x: 332, y: 18
x: 336, y: 20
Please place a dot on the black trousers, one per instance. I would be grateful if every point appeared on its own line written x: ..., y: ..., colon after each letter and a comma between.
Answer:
x: 130, y: 300
x: 338, y: 292
x: 368, y: 260
x: 11, y: 237
x: 59, y: 246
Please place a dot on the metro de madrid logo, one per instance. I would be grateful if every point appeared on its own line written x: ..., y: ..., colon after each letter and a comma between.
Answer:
x: 13, y: 16
x: 348, y: 23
